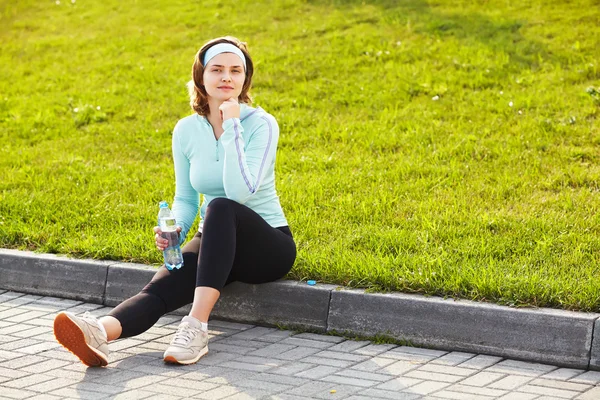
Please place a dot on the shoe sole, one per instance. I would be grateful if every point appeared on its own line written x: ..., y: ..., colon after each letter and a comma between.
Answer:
x: 70, y: 335
x: 173, y: 360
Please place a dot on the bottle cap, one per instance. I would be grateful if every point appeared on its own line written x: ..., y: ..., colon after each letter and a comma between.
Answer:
x: 163, y: 204
x: 311, y: 283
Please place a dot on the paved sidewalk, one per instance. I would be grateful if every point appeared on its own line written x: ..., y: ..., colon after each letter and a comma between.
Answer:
x: 249, y: 362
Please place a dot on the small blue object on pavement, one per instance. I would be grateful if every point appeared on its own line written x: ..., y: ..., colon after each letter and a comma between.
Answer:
x: 311, y: 283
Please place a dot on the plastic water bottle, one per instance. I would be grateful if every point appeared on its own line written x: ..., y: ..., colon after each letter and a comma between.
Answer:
x: 166, y: 222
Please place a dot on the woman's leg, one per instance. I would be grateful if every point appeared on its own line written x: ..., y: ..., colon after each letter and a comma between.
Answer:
x: 238, y: 245
x: 166, y: 292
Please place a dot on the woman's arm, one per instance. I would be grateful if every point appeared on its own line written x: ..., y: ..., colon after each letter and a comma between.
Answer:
x: 185, y: 203
x: 246, y: 164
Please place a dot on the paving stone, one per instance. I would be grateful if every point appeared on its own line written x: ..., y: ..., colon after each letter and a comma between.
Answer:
x: 275, y: 336
x: 400, y: 355
x: 27, y: 381
x: 45, y: 366
x: 400, y: 384
x: 13, y: 328
x: 270, y: 362
x: 427, y: 387
x: 453, y: 358
x: 13, y: 393
x: 519, y: 396
x: 340, y: 392
x: 38, y: 348
x: 18, y: 344
x: 124, y: 344
x: 228, y: 348
x: 400, y: 367
x: 253, y: 333
x: 252, y: 344
x: 592, y: 394
x: 22, y: 361
x: 355, y: 358
x: 349, y: 346
x: 281, y: 379
x: 44, y: 396
x: 296, y: 341
x: 297, y: 353
x: 319, y: 337
x: 314, y: 359
x: 272, y: 350
x: 372, y: 393
x: 482, y: 379
x: 269, y: 387
x: 591, y: 377
x: 52, y: 384
x: 434, y: 376
x: 6, y: 355
x: 480, y: 362
x: 11, y: 373
x: 579, y: 387
x: 229, y: 325
x: 563, y: 374
x: 30, y: 333
x: 11, y: 312
x: 374, y: 364
x: 291, y: 369
x: 190, y: 384
x: 246, y: 366
x: 374, y: 349
x: 311, y: 388
x: 220, y: 375
x: 249, y: 394
x: 26, y: 316
x: 163, y: 396
x: 449, y: 395
x: 547, y: 391
x: 317, y: 372
x: 446, y: 369
x: 132, y: 395
x: 218, y: 393
x: 460, y: 388
x: 344, y: 380
x: 510, y: 382
x: 96, y: 387
x: 364, y: 375
x: 78, y: 393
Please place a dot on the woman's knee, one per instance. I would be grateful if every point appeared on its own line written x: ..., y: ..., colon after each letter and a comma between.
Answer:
x: 220, y: 205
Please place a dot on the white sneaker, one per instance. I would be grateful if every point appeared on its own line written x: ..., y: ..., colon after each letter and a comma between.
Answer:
x: 83, y: 337
x: 189, y: 344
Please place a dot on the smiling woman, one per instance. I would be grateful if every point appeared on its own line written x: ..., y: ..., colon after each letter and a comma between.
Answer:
x: 225, y: 151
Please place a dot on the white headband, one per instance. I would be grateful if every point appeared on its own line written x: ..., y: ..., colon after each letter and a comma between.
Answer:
x: 223, y: 48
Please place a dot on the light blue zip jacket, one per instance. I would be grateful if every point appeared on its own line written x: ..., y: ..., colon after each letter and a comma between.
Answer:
x: 239, y: 166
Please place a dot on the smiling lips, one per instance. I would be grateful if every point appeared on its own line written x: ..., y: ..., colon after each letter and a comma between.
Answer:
x: 225, y: 87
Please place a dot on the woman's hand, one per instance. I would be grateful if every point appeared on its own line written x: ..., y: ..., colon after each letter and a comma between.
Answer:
x: 229, y: 109
x: 162, y: 243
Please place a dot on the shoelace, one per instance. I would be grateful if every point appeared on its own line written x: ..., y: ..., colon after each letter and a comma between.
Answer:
x: 87, y: 317
x: 185, y: 334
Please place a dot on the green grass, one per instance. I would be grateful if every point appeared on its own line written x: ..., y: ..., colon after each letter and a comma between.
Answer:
x: 383, y: 186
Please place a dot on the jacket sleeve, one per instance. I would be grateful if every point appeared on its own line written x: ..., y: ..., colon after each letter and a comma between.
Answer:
x: 185, y: 203
x: 246, y: 163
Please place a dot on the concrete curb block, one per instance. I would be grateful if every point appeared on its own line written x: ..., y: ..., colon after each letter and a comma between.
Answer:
x: 52, y: 275
x: 539, y: 335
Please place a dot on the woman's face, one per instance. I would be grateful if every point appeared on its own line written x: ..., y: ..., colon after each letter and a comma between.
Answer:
x: 224, y: 76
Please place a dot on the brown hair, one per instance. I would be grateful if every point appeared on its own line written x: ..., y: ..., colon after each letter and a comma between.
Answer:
x: 198, y: 95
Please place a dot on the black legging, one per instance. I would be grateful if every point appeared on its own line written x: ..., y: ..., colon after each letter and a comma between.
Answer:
x: 236, y: 244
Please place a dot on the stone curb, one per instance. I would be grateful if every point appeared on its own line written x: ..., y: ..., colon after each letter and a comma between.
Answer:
x: 559, y: 337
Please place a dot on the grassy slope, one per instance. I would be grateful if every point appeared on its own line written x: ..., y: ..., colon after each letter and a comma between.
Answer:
x: 383, y: 186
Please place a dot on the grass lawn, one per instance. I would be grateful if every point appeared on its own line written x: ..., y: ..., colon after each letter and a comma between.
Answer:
x: 442, y: 147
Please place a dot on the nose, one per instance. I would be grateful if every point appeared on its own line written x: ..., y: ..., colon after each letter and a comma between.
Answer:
x: 226, y: 77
